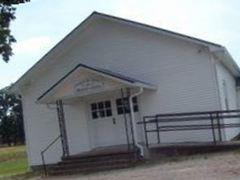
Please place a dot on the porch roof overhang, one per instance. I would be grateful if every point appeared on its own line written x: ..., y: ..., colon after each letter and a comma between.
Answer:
x: 85, y: 80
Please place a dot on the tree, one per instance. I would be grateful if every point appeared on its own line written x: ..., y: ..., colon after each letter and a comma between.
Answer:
x: 11, y: 118
x: 7, y: 14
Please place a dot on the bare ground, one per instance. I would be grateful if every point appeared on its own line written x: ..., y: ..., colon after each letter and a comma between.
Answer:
x: 219, y: 166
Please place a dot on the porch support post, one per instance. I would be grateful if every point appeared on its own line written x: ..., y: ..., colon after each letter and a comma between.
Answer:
x: 125, y: 120
x: 131, y: 124
x: 62, y: 128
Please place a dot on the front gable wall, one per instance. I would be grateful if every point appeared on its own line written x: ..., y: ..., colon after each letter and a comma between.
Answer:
x: 147, y: 56
x: 127, y: 50
x: 124, y: 49
x: 182, y: 71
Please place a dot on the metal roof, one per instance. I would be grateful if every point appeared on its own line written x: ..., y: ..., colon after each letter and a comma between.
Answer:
x: 129, y: 80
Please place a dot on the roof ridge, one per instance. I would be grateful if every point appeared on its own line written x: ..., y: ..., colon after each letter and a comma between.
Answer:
x: 156, y: 28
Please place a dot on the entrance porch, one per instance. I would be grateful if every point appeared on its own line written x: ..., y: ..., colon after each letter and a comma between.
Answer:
x: 96, y: 109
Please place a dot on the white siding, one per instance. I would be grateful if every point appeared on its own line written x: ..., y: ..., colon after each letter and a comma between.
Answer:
x: 238, y: 98
x: 41, y: 128
x: 182, y: 71
x: 77, y: 127
x: 230, y: 93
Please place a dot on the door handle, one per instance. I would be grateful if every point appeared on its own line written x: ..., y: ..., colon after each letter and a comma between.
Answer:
x: 114, y: 120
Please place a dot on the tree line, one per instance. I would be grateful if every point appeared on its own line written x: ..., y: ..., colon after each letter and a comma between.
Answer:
x: 11, y: 119
x: 7, y: 15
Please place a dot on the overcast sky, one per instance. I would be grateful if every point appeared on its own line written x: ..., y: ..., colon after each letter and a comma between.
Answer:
x: 40, y: 24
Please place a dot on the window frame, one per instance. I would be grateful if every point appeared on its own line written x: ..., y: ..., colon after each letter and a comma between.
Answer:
x: 101, y: 109
x: 120, y: 105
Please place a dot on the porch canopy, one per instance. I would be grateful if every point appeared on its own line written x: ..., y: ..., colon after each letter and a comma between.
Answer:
x: 85, y: 80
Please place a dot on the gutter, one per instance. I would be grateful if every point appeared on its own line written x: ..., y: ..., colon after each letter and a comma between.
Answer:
x: 227, y: 60
x: 134, y: 121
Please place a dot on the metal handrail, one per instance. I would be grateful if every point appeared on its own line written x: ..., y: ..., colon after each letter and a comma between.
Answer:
x: 44, y: 150
x: 194, y: 113
x: 215, y: 123
x: 180, y: 119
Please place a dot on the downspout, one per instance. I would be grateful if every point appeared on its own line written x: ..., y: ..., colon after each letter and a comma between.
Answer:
x: 134, y: 121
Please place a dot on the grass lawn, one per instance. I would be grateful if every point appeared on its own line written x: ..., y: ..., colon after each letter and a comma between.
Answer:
x: 13, y: 161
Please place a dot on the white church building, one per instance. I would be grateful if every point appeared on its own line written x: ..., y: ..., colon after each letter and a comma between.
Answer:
x: 94, y: 87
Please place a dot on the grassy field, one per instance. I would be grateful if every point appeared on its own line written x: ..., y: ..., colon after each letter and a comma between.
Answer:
x: 13, y: 161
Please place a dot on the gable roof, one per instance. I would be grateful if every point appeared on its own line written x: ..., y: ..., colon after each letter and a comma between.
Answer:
x: 106, y: 73
x: 96, y: 15
x: 152, y: 28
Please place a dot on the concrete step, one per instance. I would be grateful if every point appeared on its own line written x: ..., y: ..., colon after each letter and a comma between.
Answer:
x: 91, y: 164
x: 86, y: 164
x: 71, y: 171
x: 100, y: 157
x: 96, y: 159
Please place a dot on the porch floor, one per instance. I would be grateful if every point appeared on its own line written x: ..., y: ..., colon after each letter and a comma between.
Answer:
x: 190, y: 148
x: 107, y: 150
x: 196, y: 144
x: 183, y: 147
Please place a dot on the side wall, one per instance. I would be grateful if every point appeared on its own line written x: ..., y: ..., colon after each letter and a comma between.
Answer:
x: 238, y: 97
x: 228, y: 96
x: 41, y: 127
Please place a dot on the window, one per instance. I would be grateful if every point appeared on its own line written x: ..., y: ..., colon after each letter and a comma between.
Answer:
x: 124, y: 107
x: 101, y: 109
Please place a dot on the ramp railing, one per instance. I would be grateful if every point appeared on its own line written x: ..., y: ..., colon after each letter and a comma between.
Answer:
x: 214, y: 121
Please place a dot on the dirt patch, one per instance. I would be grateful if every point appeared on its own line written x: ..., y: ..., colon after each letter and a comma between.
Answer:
x: 219, y: 166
